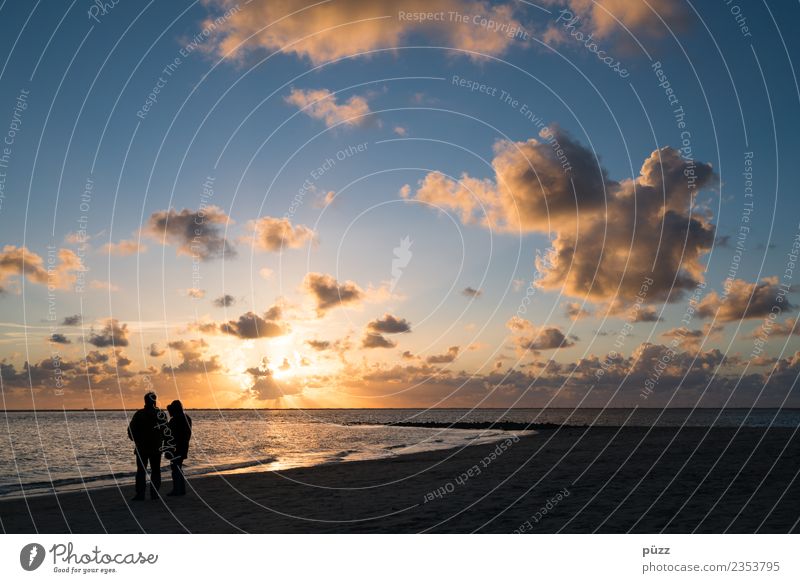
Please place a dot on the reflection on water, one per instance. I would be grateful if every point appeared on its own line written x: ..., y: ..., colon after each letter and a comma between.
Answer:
x: 67, y: 449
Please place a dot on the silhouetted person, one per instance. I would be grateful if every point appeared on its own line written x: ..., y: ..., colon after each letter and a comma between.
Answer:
x: 176, y: 445
x: 146, y: 430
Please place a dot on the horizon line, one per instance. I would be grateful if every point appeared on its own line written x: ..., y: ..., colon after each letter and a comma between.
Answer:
x: 83, y: 410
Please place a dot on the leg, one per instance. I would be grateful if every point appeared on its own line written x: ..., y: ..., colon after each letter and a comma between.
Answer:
x: 178, y: 479
x: 141, y: 476
x: 155, y: 474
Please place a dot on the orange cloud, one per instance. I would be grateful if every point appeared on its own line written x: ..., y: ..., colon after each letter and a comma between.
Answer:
x: 59, y: 272
x: 123, y: 248
x: 334, y: 30
x: 321, y: 104
x: 609, y: 237
x: 273, y: 234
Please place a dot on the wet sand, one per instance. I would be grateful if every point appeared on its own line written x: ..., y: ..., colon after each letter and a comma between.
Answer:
x: 559, y: 480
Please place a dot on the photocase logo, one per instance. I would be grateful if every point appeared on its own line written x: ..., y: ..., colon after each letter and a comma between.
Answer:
x: 31, y: 556
x: 402, y: 256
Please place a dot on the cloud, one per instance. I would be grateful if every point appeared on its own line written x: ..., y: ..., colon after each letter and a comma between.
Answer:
x: 329, y: 293
x: 688, y: 339
x: 194, y: 233
x: 657, y: 236
x: 334, y: 30
x: 74, y: 376
x: 449, y: 356
x: 103, y: 285
x: 322, y: 200
x: 574, y: 311
x: 72, y: 320
x: 195, y: 293
x: 273, y: 234
x: 59, y: 339
x: 265, y: 387
x: 111, y: 334
x: 743, y: 300
x: 471, y: 292
x: 58, y: 273
x: 527, y: 336
x: 530, y: 189
x: 610, y: 18
x: 251, y: 325
x: 155, y: 350
x: 386, y: 324
x: 192, y: 354
x: 372, y: 340
x: 321, y: 104
x: 389, y: 324
x: 319, y: 345
x: 785, y: 328
x: 224, y: 301
x: 124, y: 248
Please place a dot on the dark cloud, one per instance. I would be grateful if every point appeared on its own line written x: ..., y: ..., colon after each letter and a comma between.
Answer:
x: 111, y: 334
x: 155, y: 350
x: 72, y: 320
x: 389, y: 324
x: 251, y: 325
x: 319, y: 344
x: 530, y: 337
x: 449, y: 356
x: 194, y: 233
x: 225, y: 301
x: 329, y: 293
x: 372, y: 340
x: 471, y: 292
x: 99, y: 370
x: 59, y: 339
x: 692, y: 339
x: 742, y: 300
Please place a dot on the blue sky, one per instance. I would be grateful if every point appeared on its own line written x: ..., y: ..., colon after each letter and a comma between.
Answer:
x: 229, y: 114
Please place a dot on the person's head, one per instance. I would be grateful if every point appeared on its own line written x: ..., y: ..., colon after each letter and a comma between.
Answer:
x: 150, y: 399
x: 175, y: 408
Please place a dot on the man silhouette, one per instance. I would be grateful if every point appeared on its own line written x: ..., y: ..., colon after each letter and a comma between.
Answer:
x: 146, y: 433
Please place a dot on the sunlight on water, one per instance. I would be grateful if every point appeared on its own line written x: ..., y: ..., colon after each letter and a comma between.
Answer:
x: 68, y: 449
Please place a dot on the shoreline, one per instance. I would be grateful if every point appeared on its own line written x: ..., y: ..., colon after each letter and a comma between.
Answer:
x: 611, y: 480
x: 126, y: 479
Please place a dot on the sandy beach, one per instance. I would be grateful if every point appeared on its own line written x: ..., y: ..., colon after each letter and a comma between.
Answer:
x: 564, y: 480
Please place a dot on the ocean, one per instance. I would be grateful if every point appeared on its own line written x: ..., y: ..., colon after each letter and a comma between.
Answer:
x: 67, y: 450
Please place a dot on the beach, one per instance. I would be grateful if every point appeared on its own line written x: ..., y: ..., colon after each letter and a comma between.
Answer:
x: 568, y: 479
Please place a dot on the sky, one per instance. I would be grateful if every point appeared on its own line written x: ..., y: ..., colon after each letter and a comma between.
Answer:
x: 399, y: 203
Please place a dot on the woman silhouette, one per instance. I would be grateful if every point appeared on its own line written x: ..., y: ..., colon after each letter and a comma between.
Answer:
x: 180, y: 427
